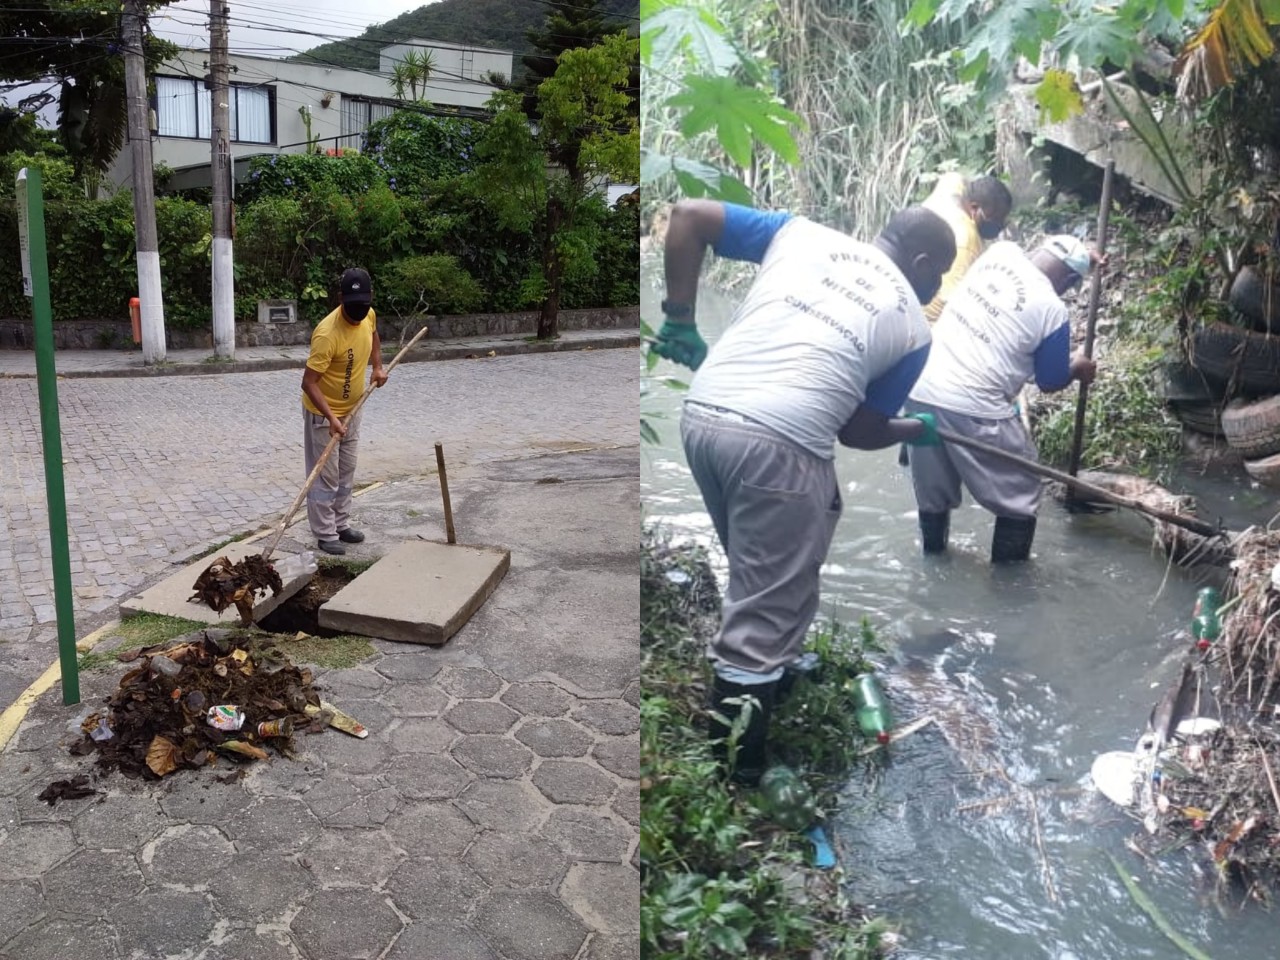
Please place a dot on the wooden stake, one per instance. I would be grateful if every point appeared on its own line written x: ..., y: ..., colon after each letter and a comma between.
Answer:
x: 444, y: 493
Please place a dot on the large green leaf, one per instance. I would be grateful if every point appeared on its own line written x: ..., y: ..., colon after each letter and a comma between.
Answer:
x: 702, y: 180
x: 653, y: 165
x: 921, y: 13
x: 695, y: 32
x: 1058, y: 96
x: 1096, y: 38
x: 736, y: 113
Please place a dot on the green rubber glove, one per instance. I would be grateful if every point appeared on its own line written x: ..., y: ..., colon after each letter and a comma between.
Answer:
x: 930, y: 436
x: 681, y: 343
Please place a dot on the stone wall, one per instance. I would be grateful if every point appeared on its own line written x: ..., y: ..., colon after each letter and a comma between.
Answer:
x: 118, y: 334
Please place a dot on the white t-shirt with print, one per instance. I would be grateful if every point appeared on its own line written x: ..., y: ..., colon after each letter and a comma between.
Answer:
x: 826, y: 316
x: 1003, y: 326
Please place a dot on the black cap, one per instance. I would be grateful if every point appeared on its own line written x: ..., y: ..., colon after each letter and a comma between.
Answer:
x: 356, y: 286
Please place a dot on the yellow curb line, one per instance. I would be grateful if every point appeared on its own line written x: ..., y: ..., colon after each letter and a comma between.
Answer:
x: 17, y: 711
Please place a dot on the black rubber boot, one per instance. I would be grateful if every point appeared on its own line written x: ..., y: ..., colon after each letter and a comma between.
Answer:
x: 1011, y: 539
x: 934, y: 528
x: 750, y: 760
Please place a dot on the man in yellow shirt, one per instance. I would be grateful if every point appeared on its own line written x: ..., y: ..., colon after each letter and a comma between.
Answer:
x: 976, y: 210
x: 341, y: 347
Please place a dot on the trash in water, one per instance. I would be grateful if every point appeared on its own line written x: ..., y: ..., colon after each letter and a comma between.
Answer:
x: 678, y: 577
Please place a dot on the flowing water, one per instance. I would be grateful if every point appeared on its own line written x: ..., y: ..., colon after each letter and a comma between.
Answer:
x: 982, y: 836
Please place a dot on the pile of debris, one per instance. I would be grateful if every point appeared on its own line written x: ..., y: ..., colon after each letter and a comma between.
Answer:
x: 1217, y: 782
x: 224, y: 583
x: 225, y: 694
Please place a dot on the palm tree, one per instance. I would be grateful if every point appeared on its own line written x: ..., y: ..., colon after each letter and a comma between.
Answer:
x: 412, y: 71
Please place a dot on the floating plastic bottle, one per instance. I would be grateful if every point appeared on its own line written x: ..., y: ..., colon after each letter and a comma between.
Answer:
x: 1206, y: 625
x: 787, y: 800
x: 873, y: 710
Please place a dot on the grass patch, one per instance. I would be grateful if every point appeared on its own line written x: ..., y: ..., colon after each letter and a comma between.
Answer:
x: 332, y: 653
x: 143, y: 630
x: 717, y: 876
x: 356, y: 567
x: 414, y: 513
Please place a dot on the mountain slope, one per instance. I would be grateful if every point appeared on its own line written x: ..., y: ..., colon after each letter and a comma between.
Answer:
x: 486, y: 23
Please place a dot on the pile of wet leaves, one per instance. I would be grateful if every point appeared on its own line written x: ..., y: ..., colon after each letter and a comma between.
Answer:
x: 224, y: 583
x: 219, y: 694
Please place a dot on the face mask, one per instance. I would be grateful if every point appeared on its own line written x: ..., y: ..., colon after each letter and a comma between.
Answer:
x: 355, y: 312
x: 989, y: 230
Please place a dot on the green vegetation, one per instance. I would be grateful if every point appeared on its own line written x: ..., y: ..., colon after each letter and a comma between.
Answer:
x: 331, y: 653
x: 719, y: 880
x: 148, y: 628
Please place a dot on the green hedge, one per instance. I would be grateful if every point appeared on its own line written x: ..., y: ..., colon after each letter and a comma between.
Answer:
x: 302, y: 221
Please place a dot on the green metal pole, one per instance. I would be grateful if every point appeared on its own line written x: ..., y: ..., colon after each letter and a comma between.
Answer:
x: 36, y: 264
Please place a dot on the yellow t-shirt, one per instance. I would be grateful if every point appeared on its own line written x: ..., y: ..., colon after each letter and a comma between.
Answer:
x: 340, y: 353
x: 945, y: 202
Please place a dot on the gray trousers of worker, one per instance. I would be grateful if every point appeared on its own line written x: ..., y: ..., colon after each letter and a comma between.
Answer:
x: 937, y: 473
x: 329, y: 500
x: 774, y: 506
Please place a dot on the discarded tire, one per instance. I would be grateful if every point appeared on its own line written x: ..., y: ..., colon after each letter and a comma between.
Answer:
x: 1234, y: 356
x: 1255, y: 294
x: 1253, y: 429
x: 1204, y: 417
x: 1266, y: 471
x: 1183, y: 383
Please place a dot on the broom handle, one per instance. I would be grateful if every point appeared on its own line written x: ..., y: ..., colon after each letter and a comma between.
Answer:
x: 328, y: 449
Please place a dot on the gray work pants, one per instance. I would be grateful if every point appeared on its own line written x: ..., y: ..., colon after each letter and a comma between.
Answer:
x: 774, y: 506
x: 329, y: 500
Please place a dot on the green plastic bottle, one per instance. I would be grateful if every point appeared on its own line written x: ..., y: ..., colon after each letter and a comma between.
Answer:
x: 1206, y: 625
x: 787, y: 799
x: 873, y: 710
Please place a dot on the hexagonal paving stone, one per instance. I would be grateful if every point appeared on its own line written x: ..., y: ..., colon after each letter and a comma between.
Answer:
x: 433, y: 829
x: 32, y: 849
x: 199, y: 798
x: 469, y: 683
x: 440, y: 941
x: 424, y: 777
x: 354, y: 924
x: 276, y: 824
x: 290, y: 779
x: 530, y: 926
x: 613, y: 948
x: 507, y: 806
x: 510, y: 860
x: 437, y: 890
x: 416, y: 700
x: 349, y: 857
x: 481, y: 716
x: 374, y: 714
x: 415, y: 665
x: 423, y: 735
x: 352, y: 801
x: 246, y: 944
x: 492, y: 756
x: 555, y: 738
x: 585, y: 835
x: 120, y: 822
x: 615, y: 718
x: 353, y: 757
x: 352, y: 683
x: 571, y: 781
x: 20, y: 906
x: 189, y: 855
x: 60, y: 939
x: 627, y: 803
x: 164, y: 922
x: 538, y: 699
x: 260, y: 886
x: 606, y: 896
x: 92, y: 882
x: 8, y: 814
x: 619, y: 757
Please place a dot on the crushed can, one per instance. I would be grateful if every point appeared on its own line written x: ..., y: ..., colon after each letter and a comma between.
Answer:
x: 226, y: 717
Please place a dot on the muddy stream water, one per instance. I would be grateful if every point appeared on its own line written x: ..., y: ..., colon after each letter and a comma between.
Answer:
x: 982, y: 836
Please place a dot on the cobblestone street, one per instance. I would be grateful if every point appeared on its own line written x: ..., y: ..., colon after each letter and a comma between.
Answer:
x: 160, y: 468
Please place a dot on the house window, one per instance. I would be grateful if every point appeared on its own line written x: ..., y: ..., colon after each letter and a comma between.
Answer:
x: 357, y: 114
x: 183, y: 110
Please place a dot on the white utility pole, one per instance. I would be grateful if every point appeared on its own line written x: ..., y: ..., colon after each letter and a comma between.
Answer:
x: 220, y: 168
x: 144, y: 203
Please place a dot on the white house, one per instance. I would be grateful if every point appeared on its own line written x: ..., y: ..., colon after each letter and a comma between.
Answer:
x: 272, y: 101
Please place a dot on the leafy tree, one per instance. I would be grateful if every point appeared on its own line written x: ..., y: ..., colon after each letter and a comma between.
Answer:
x: 75, y: 43
x: 540, y: 177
